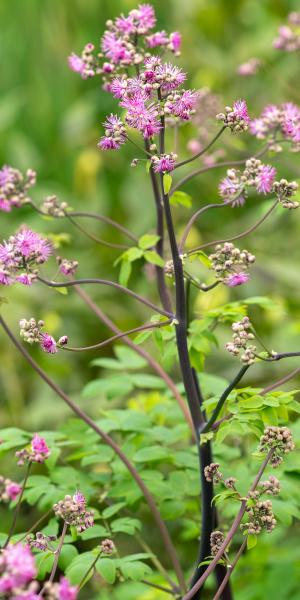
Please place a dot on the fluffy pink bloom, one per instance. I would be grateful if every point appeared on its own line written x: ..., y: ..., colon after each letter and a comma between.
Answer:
x: 4, y: 277
x: 25, y: 279
x: 228, y: 188
x: 48, y: 343
x: 144, y: 17
x: 248, y: 68
x: 13, y: 489
x: 17, y: 566
x: 66, y: 591
x: 240, y: 110
x: 159, y: 38
x: 125, y: 25
x: 170, y: 76
x: 32, y: 246
x: 265, y: 179
x: 5, y: 205
x: 114, y: 134
x: 39, y: 446
x: 183, y: 104
x: 164, y: 164
x: 118, y: 86
x: 272, y: 113
x: 237, y: 279
x: 258, y: 128
x: 14, y: 187
x: 175, y: 42
x: 140, y: 116
x: 76, y: 63
x: 79, y: 498
x: 115, y: 48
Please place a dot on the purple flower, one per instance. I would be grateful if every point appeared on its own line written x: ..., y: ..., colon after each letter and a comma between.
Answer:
x: 115, y: 134
x: 248, y: 68
x: 240, y: 110
x: 230, y: 187
x: 118, y: 86
x: 4, y: 277
x: 125, y: 25
x: 170, y: 76
x: 13, y: 489
x: 258, y: 128
x: 164, y: 163
x: 115, y: 48
x: 236, y: 279
x: 32, y: 246
x: 175, y: 42
x: 265, y: 179
x: 159, y: 38
x: 25, y: 278
x: 14, y: 187
x: 66, y: 591
x: 48, y: 343
x: 182, y: 105
x: 76, y: 63
x: 79, y: 498
x: 17, y: 566
x: 39, y: 447
x: 144, y: 17
x: 140, y: 116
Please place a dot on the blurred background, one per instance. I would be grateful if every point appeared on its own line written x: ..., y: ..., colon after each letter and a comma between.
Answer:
x: 50, y: 120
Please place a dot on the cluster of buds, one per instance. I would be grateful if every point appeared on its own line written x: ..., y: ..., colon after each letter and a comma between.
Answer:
x: 229, y: 264
x: 72, y: 509
x: 230, y: 483
x: 66, y: 266
x: 234, y: 187
x: 271, y: 486
x: 53, y: 208
x: 14, y: 187
x: 107, y: 547
x: 115, y: 134
x: 241, y: 337
x: 9, y: 490
x: 289, y: 35
x: 260, y: 515
x: 236, y: 117
x: 216, y: 540
x: 87, y: 65
x: 284, y: 191
x: 41, y: 542
x: 37, y: 451
x: 283, y: 118
x: 212, y: 473
x: 31, y: 332
x: 180, y: 105
x: 164, y: 163
x: 278, y: 440
x: 249, y: 68
x: 61, y: 590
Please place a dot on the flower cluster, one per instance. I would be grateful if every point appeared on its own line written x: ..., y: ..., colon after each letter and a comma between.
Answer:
x: 17, y: 572
x: 216, y: 540
x: 37, y: 451
x: 212, y: 473
x: 249, y: 68
x: 41, y: 542
x: 260, y: 515
x: 73, y: 511
x: 9, y: 490
x: 87, y: 64
x: 61, y: 590
x: 23, y: 251
x: 234, y: 187
x: 107, y: 547
x: 241, y: 337
x: 31, y: 332
x: 284, y: 118
x: 284, y: 191
x: 14, y: 187
x: 278, y: 440
x: 164, y: 163
x: 289, y: 35
x: 53, y: 208
x: 66, y: 266
x: 229, y: 264
x: 235, y: 117
x: 271, y: 486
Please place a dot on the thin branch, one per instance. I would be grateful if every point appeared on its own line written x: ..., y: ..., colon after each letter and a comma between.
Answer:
x: 170, y: 550
x: 92, y: 237
x: 230, y: 569
x: 118, y: 336
x: 58, y: 551
x: 82, y: 581
x: 156, y: 586
x: 17, y: 508
x: 195, y: 156
x: 239, y: 235
x: 141, y: 352
x: 36, y: 524
x: 223, y: 398
x: 113, y: 284
x: 231, y: 533
x: 280, y: 382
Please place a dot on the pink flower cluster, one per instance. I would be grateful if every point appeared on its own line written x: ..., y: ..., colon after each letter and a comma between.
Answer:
x: 20, y: 253
x: 9, y: 490
x: 285, y: 118
x: 17, y: 572
x: 235, y: 117
x: 289, y: 35
x: 37, y: 451
x: 74, y: 512
x: 14, y: 187
x: 249, y: 68
x: 31, y: 332
x: 234, y: 187
x: 66, y: 266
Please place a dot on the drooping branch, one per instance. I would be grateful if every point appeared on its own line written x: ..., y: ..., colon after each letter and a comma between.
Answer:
x: 94, y: 238
x: 170, y: 550
x: 203, y: 151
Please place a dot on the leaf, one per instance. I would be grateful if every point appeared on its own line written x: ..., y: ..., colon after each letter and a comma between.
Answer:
x: 150, y: 454
x: 133, y: 254
x: 112, y: 510
x: 251, y: 541
x: 148, y: 241
x: 143, y: 380
x: 103, y: 454
x: 44, y: 562
x: 125, y: 272
x: 204, y: 259
x: 107, y: 569
x: 68, y: 553
x: 110, y: 387
x: 79, y: 567
x: 181, y: 198
x: 152, y: 257
x: 167, y: 182
x: 129, y: 358
x: 136, y: 570
x: 61, y: 290
x: 97, y: 531
x: 142, y: 337
x: 126, y: 525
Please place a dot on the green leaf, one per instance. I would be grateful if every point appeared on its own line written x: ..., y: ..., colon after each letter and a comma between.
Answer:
x: 251, y: 541
x: 112, y: 510
x: 126, y: 525
x: 148, y: 241
x: 61, y: 290
x: 125, y: 272
x: 167, y: 182
x: 133, y: 254
x: 150, y: 454
x: 106, y: 567
x: 181, y: 198
x: 79, y: 567
x: 97, y: 531
x: 204, y: 259
x: 44, y: 562
x: 129, y: 358
x: 136, y: 570
x: 143, y: 380
x: 68, y: 553
x: 152, y: 257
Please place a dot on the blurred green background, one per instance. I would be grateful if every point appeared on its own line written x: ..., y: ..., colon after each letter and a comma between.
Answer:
x: 50, y: 120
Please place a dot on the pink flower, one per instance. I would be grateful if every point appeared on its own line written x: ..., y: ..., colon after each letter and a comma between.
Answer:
x: 76, y: 63
x: 66, y: 591
x: 25, y: 279
x: 258, y: 128
x: 265, y: 179
x: 32, y: 246
x: 144, y: 16
x: 115, y: 48
x: 248, y: 68
x: 39, y: 446
x: 140, y: 116
x: 5, y: 205
x: 163, y: 164
x: 170, y: 77
x: 183, y: 104
x: 118, y: 86
x: 115, y: 134
x: 48, y: 343
x: 19, y: 568
x: 13, y: 490
x: 175, y: 42
x: 125, y: 25
x: 4, y: 277
x: 240, y: 110
x: 159, y: 38
x: 79, y: 498
x: 272, y: 113
x: 237, y: 279
x: 229, y: 187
